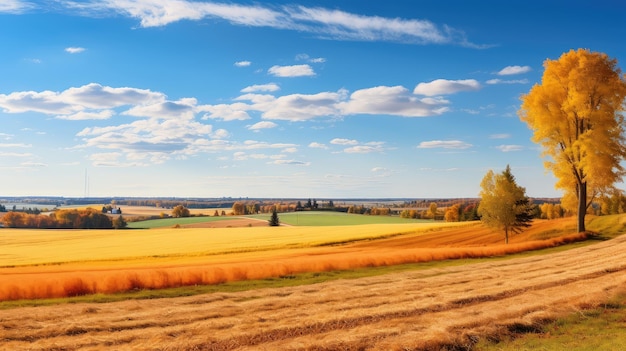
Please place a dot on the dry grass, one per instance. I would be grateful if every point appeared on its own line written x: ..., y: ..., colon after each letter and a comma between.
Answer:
x: 114, y: 261
x: 421, y: 310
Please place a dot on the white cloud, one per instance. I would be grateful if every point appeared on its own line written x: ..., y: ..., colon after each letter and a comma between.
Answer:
x: 500, y: 136
x: 290, y: 150
x: 74, y: 50
x: 365, y: 149
x: 445, y: 144
x: 243, y: 63
x: 73, y: 100
x: 325, y: 23
x: 316, y: 145
x: 14, y: 145
x: 152, y: 13
x: 292, y: 71
x: 262, y: 125
x: 347, y: 26
x: 509, y: 148
x: 340, y: 141
x: 306, y: 57
x: 84, y: 115
x: 392, y: 101
x: 444, y: 87
x: 501, y: 81
x: 181, y: 109
x: 226, y: 112
x: 14, y: 6
x: 260, y: 87
x: 290, y: 162
x: 509, y: 70
x: 301, y: 107
x: 15, y: 154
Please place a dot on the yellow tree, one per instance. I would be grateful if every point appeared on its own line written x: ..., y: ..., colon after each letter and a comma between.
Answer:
x: 503, y: 203
x: 575, y: 115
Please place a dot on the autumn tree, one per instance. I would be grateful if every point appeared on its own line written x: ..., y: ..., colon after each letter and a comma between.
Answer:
x: 503, y: 203
x: 180, y: 211
x: 576, y: 116
x: 452, y: 213
x: 239, y: 209
x: 432, y: 210
x: 119, y: 223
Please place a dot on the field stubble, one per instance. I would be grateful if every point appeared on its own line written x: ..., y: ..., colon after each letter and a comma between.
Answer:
x: 417, y: 310
x: 242, y: 254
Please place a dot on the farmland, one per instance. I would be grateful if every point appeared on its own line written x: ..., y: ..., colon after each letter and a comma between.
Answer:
x: 414, y: 309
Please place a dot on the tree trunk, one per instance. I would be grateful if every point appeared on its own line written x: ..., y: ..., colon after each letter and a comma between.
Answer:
x: 506, y: 235
x: 582, y: 206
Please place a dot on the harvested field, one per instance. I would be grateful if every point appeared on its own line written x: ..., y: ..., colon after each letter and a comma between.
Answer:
x: 40, y: 264
x: 419, y: 310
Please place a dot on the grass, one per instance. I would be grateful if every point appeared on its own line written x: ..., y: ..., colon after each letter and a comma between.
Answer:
x: 599, y: 328
x: 275, y: 282
x: 22, y: 247
x: 171, y: 222
x: 327, y: 218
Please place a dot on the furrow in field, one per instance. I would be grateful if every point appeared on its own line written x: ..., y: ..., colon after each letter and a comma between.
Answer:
x: 408, y: 310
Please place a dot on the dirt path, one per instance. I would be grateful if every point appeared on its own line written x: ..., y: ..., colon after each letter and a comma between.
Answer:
x: 405, y: 311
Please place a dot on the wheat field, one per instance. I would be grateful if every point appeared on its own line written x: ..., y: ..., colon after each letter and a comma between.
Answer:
x: 50, y: 264
x: 449, y: 307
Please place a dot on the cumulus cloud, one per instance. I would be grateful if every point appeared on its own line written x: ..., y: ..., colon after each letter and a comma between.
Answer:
x: 341, y: 141
x: 509, y: 148
x: 500, y: 136
x: 181, y: 109
x: 73, y: 100
x: 395, y: 100
x: 226, y: 112
x: 243, y: 63
x: 263, y: 125
x: 86, y: 115
x: 74, y: 50
x: 261, y: 87
x: 510, y: 70
x: 444, y: 144
x: 444, y: 87
x: 366, y: 148
x: 316, y: 145
x: 301, y: 107
x: 291, y: 71
x: 322, y: 22
x: 380, y: 100
x: 148, y: 141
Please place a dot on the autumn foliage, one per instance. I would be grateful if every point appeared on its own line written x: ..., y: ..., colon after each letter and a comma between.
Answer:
x: 576, y: 116
x: 62, y: 219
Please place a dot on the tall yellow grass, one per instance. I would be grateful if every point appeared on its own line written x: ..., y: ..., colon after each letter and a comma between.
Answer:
x: 114, y: 261
x: 35, y: 247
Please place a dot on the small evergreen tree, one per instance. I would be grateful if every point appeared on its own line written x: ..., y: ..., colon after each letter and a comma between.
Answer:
x: 274, y: 221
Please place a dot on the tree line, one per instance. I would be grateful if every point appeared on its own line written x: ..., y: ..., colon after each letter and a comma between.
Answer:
x: 63, y: 219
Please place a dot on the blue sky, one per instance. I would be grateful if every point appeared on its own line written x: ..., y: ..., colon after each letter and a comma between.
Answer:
x: 306, y: 99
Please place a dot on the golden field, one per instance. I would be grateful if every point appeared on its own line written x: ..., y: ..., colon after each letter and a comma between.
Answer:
x: 60, y: 263
x: 448, y: 307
